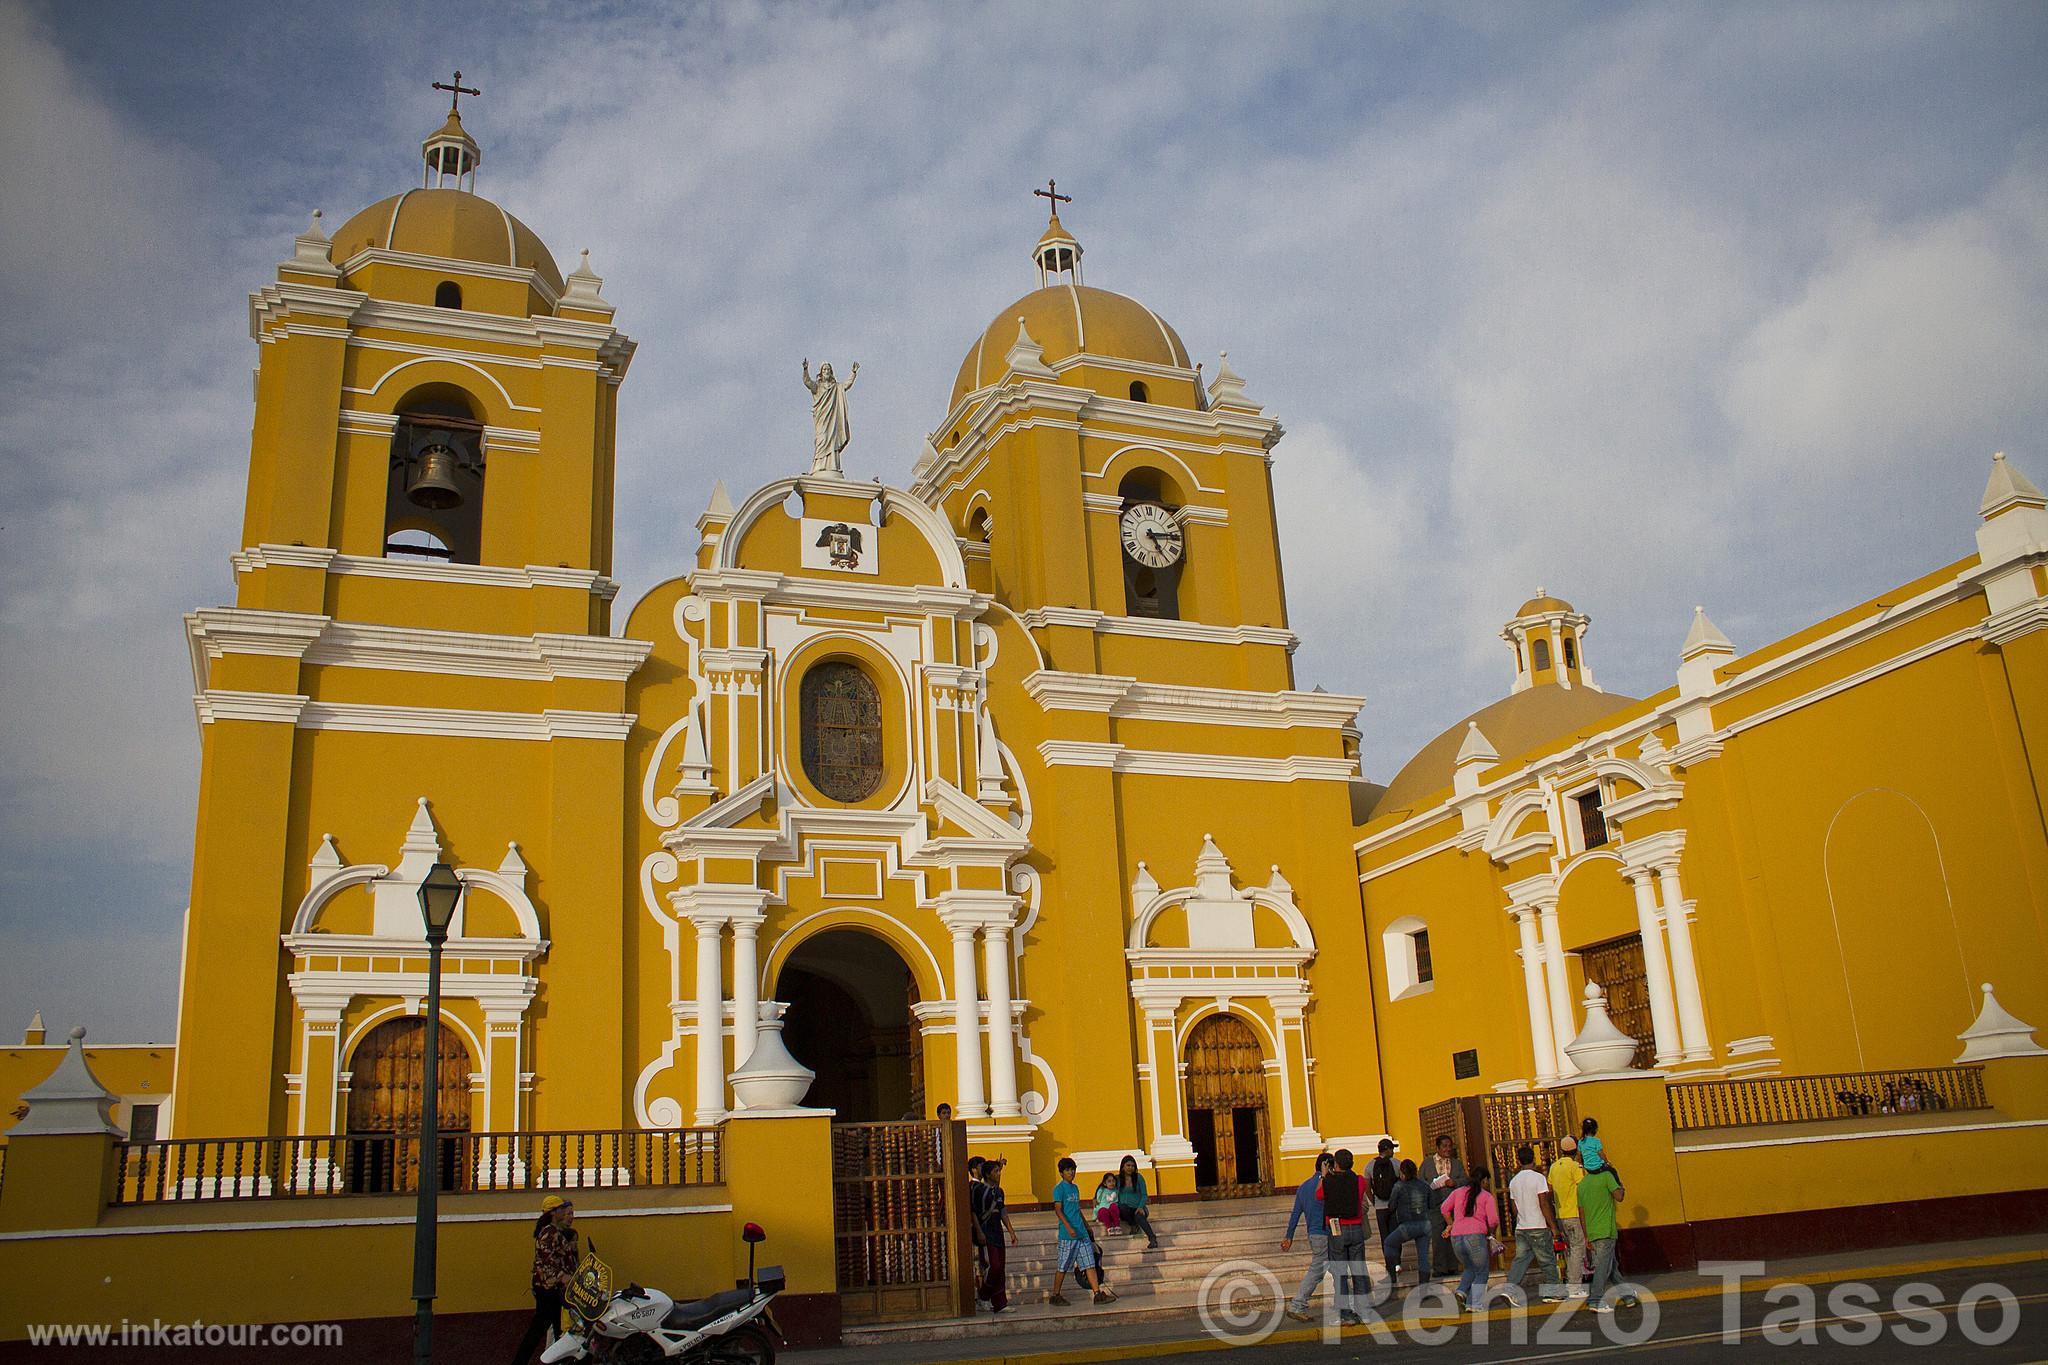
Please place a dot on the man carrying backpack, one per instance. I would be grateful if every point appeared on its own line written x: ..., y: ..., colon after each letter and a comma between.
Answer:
x: 1382, y: 1176
x: 1344, y: 1198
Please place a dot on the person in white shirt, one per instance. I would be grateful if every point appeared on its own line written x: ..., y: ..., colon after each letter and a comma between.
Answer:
x: 1535, y: 1229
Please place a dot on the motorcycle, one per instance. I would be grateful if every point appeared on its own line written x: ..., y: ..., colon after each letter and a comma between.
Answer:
x: 635, y: 1325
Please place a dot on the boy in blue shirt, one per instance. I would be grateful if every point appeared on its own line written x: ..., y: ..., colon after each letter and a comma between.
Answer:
x: 1077, y: 1247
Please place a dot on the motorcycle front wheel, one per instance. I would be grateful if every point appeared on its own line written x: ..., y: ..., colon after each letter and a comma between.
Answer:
x: 748, y: 1345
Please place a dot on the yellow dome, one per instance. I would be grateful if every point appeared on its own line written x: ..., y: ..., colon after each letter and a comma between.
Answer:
x: 1066, y: 319
x: 1536, y: 606
x: 453, y: 224
x: 1514, y: 725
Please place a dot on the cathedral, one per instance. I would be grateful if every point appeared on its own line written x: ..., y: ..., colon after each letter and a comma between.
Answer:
x: 997, y: 791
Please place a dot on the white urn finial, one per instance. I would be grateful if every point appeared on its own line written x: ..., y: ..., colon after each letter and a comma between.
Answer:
x: 1601, y: 1050
x: 1997, y: 1033
x: 770, y: 1078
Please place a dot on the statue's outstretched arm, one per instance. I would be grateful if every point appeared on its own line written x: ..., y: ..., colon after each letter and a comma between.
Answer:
x: 853, y: 374
x: 809, y: 383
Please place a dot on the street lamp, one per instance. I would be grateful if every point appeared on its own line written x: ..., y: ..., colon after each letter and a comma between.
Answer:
x: 439, y: 894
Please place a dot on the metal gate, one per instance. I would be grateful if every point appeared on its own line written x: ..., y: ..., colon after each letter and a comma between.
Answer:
x: 899, y: 1216
x: 1488, y: 1128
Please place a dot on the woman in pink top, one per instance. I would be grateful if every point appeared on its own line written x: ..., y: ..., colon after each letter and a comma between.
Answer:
x: 1473, y: 1215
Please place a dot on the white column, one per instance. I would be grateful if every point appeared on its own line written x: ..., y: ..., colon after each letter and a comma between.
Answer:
x: 1562, y: 1026
x: 1557, y: 655
x: 967, y: 1099
x: 1685, y: 972
x: 746, y: 987
x: 1002, y: 1027
x: 1663, y: 1015
x: 1543, y: 1041
x: 710, y: 1021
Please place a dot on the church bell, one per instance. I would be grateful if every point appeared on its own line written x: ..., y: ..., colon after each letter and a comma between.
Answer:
x: 430, y: 481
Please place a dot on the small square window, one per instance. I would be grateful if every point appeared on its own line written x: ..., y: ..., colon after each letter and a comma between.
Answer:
x: 1424, y: 969
x: 1592, y: 819
x: 142, y: 1122
x: 1465, y: 1065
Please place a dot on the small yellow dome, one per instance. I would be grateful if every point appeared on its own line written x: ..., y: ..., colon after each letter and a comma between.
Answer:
x: 453, y: 224
x: 1536, y: 606
x: 1065, y: 320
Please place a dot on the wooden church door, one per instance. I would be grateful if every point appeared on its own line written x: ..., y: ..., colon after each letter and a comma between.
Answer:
x: 387, y: 1082
x: 1617, y: 967
x: 1226, y: 1096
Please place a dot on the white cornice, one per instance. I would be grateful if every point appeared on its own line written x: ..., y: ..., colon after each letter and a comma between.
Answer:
x: 1198, y: 632
x: 1128, y: 699
x: 1164, y: 763
x: 424, y: 571
x: 775, y: 589
x: 443, y: 265
x: 217, y: 704
x: 369, y: 718
x: 325, y: 642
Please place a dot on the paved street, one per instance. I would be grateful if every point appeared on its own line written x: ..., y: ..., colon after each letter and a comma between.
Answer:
x: 1687, y: 1329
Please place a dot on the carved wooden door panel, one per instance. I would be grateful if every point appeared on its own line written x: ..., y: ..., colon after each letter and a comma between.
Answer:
x: 387, y: 1081
x: 1226, y: 1097
x: 1616, y: 966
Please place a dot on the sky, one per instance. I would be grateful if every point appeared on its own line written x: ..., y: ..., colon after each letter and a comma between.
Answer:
x: 1651, y: 306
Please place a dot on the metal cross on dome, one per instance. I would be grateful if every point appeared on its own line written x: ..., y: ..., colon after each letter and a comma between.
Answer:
x: 1051, y: 194
x: 456, y: 92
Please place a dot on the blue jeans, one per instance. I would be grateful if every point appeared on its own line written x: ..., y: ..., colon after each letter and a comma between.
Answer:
x: 1318, y: 1266
x: 1535, y: 1247
x: 1603, y: 1270
x: 1420, y: 1233
x: 1475, y: 1255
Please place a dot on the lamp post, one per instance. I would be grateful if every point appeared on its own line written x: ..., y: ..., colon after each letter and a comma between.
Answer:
x: 439, y: 894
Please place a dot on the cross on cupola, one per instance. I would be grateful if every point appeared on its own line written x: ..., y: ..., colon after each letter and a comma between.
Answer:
x: 451, y: 154
x: 457, y: 91
x: 1057, y: 252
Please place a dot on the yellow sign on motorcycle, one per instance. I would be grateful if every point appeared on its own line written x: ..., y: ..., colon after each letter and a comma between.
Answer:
x: 591, y: 1287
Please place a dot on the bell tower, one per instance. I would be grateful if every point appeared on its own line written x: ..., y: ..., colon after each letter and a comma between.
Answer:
x: 418, y: 653
x: 1103, y: 491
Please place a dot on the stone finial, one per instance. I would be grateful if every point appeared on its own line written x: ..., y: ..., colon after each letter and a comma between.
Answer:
x: 71, y: 1102
x: 311, y: 250
x: 1997, y: 1034
x: 926, y: 458
x: 35, y: 1033
x: 583, y: 288
x: 1226, y: 390
x: 1704, y: 637
x: 720, y: 505
x: 1026, y: 356
x: 1476, y: 748
x: 1601, y: 1050
x: 770, y: 1078
x: 2007, y: 488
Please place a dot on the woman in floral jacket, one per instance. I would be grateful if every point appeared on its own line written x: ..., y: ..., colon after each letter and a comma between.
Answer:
x: 554, y: 1265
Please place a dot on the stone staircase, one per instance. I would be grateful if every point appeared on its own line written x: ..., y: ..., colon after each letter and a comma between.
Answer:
x: 1194, y: 1238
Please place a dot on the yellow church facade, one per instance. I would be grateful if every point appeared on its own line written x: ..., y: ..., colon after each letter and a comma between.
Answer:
x: 997, y: 791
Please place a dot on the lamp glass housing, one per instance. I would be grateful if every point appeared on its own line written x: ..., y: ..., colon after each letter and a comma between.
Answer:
x: 440, y: 892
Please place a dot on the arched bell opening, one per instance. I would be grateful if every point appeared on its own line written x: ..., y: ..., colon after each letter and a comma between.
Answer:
x: 849, y: 1016
x: 1153, y: 543
x: 436, y: 485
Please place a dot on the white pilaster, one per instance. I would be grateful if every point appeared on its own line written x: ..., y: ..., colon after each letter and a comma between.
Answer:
x: 1562, y: 1027
x: 1543, y: 1040
x: 710, y: 1020
x: 1002, y: 1026
x: 746, y: 987
x: 969, y: 1102
x: 1685, y: 975
x: 1663, y: 1014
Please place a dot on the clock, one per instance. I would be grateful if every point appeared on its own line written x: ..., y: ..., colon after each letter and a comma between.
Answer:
x: 1151, y: 536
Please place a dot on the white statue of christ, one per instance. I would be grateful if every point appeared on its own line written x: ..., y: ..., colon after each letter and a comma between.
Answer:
x: 828, y: 416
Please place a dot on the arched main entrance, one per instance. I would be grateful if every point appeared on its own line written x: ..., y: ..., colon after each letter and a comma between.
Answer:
x: 849, y: 1019
x: 387, y: 1083
x: 1226, y: 1097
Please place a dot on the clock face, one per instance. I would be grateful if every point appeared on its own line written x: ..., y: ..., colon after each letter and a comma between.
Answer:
x: 1151, y: 536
